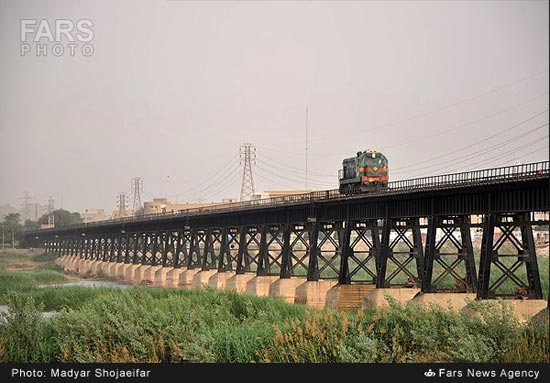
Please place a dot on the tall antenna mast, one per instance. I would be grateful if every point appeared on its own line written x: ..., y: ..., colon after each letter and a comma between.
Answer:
x: 246, y: 152
x: 306, y: 143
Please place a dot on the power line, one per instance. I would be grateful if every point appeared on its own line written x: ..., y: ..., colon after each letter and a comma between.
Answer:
x: 289, y: 179
x: 484, y: 150
x: 260, y: 155
x: 466, y: 100
x: 212, y: 178
x: 216, y: 185
x: 484, y: 161
x: 474, y: 144
x: 466, y: 124
x: 288, y: 171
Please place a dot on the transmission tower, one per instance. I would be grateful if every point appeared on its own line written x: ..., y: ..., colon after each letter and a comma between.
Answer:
x: 247, y: 154
x: 122, y: 205
x: 26, y: 206
x: 137, y: 189
x: 51, y: 206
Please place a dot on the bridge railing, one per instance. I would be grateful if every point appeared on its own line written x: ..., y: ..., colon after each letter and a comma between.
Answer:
x: 502, y: 173
x: 446, y: 180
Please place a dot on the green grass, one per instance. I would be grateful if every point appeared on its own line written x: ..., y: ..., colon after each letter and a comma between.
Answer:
x: 166, y: 325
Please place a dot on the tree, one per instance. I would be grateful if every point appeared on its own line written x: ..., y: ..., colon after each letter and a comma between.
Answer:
x: 62, y: 218
x: 138, y: 212
x: 12, y: 226
x: 30, y: 225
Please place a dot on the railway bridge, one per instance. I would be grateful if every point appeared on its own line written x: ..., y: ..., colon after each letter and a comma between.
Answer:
x: 434, y: 239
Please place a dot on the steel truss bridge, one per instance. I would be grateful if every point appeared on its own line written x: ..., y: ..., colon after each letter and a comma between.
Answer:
x: 417, y: 232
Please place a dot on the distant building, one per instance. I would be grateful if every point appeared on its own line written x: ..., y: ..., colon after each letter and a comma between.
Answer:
x: 93, y: 215
x: 278, y: 193
x: 162, y: 205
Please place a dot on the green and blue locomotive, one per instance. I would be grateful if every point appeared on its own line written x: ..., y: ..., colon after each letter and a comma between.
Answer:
x: 365, y: 172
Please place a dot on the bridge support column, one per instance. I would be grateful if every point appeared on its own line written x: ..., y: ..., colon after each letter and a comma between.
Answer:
x: 150, y: 273
x: 80, y: 265
x: 454, y: 301
x: 200, y: 279
x: 105, y: 267
x: 378, y: 297
x: 130, y: 272
x: 186, y: 278
x: 313, y: 293
x: 87, y: 266
x: 347, y: 297
x: 238, y: 282
x: 219, y: 280
x: 173, y: 277
x: 139, y: 273
x: 160, y: 276
x: 112, y: 269
x: 285, y: 288
x: 120, y: 270
x: 97, y: 267
x: 70, y: 263
x: 259, y: 285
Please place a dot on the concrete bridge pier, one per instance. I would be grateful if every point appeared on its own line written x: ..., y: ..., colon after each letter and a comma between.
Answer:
x: 105, y: 267
x: 112, y: 268
x: 186, y: 278
x: 219, y: 279
x: 130, y: 272
x: 149, y: 274
x: 160, y: 276
x: 120, y: 269
x: 377, y: 297
x: 313, y: 293
x: 259, y: 285
x: 80, y: 265
x: 69, y: 263
x: 201, y: 279
x: 453, y: 301
x: 285, y: 288
x: 86, y: 266
x: 140, y: 272
x: 96, y: 267
x: 173, y: 277
x: 348, y: 296
x: 238, y: 282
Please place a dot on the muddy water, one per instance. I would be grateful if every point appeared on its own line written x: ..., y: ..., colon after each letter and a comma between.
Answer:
x: 90, y: 283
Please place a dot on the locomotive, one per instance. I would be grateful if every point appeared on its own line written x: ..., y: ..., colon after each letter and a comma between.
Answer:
x: 367, y: 171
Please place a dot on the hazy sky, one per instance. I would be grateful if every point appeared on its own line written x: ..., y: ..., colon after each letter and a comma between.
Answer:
x: 173, y: 89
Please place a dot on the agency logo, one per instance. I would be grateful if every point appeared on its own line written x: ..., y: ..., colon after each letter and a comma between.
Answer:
x: 62, y: 37
x: 429, y: 373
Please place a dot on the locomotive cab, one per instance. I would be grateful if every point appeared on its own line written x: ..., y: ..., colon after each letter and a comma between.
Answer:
x: 365, y: 172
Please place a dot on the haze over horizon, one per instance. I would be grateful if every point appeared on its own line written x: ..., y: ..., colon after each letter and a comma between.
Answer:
x: 173, y: 89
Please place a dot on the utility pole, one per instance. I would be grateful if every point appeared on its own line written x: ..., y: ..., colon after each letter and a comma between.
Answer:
x: 247, y: 154
x: 122, y: 205
x: 137, y: 190
x: 306, y: 143
x: 26, y: 206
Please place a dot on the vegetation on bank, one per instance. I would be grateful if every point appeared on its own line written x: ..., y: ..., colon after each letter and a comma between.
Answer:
x: 165, y: 325
x: 143, y: 324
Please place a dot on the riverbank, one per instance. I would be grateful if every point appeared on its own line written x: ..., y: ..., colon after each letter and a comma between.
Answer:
x: 146, y: 324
